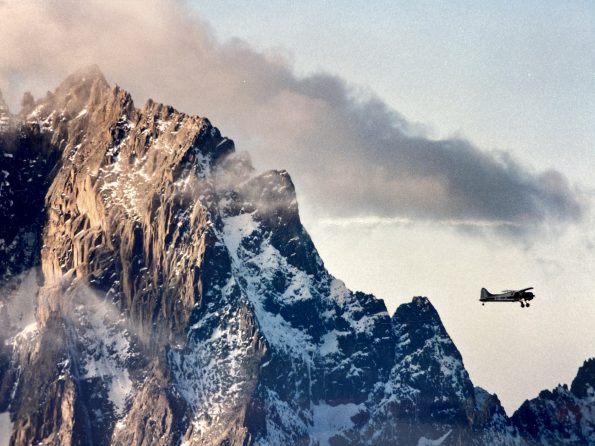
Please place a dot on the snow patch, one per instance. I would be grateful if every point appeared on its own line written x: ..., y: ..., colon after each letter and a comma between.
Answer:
x: 236, y: 229
x: 25, y: 336
x: 82, y: 113
x: 213, y: 371
x: 330, y: 343
x: 423, y: 441
x: 257, y: 270
x: 107, y: 348
x: 329, y: 421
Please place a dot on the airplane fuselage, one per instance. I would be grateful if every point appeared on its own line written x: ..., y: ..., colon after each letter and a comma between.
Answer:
x: 522, y: 296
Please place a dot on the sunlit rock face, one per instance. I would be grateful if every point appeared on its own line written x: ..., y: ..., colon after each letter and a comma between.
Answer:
x: 157, y: 290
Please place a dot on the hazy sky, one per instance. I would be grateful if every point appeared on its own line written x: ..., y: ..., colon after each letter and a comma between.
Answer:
x: 435, y: 148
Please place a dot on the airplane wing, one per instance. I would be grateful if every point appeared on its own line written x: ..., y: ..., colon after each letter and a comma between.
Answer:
x: 525, y: 289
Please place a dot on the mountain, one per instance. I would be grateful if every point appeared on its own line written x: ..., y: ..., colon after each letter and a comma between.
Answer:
x: 157, y: 290
x: 563, y: 415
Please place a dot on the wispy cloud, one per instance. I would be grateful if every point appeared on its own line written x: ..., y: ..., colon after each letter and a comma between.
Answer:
x: 350, y: 155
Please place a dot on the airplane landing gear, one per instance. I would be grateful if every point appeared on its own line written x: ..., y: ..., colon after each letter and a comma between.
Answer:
x: 523, y: 305
x: 528, y: 304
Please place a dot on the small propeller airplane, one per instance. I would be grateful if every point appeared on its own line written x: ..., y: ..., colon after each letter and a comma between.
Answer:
x: 523, y: 296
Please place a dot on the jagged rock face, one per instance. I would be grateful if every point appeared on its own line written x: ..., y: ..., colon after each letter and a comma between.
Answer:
x: 27, y: 161
x: 429, y: 385
x: 429, y: 355
x: 128, y: 254
x: 491, y: 425
x: 561, y: 416
x: 315, y: 379
x: 428, y: 393
x: 157, y: 291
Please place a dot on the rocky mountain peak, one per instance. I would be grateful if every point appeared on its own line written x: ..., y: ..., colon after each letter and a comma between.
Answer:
x: 428, y: 360
x: 68, y: 108
x: 583, y: 385
x: 561, y: 415
x: 83, y: 79
x: 420, y: 311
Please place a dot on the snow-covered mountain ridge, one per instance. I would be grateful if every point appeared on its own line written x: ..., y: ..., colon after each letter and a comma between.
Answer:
x: 157, y: 290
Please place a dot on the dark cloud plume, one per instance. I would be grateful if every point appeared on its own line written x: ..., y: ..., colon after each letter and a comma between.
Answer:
x: 350, y: 155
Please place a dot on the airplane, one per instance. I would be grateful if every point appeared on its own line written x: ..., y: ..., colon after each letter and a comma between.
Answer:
x: 523, y: 296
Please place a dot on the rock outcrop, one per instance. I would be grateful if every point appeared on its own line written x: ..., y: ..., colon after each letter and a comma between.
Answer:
x: 563, y: 415
x: 156, y: 290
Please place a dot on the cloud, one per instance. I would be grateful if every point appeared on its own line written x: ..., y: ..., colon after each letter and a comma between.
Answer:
x: 350, y: 155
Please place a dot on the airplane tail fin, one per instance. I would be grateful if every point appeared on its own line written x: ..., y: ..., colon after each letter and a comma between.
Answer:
x: 484, y: 294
